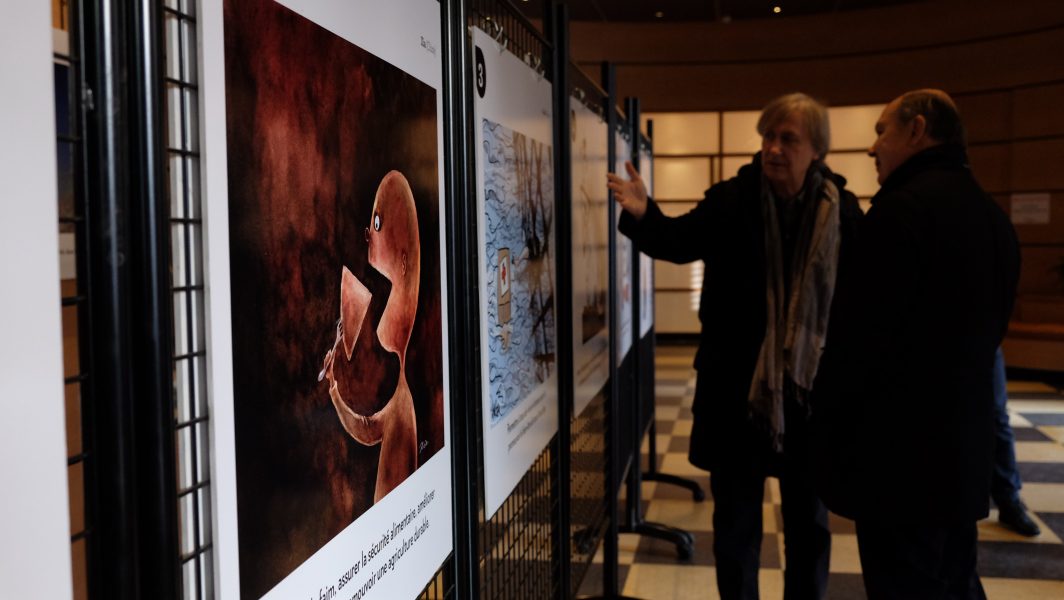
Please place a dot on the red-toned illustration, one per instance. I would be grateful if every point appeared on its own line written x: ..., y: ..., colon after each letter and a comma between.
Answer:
x: 334, y: 237
x: 395, y: 251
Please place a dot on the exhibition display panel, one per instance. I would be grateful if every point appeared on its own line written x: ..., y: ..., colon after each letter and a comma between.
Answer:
x: 589, y: 134
x: 330, y: 226
x: 515, y: 199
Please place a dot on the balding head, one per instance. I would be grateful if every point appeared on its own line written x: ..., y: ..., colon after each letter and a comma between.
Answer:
x: 912, y: 123
x: 944, y: 124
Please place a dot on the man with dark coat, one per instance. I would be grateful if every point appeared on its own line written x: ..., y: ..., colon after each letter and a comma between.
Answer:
x: 774, y: 240
x: 903, y: 404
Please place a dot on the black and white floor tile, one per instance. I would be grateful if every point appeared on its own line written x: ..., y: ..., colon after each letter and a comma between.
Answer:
x: 1012, y: 567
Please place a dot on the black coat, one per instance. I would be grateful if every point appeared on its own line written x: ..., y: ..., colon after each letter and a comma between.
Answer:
x: 726, y: 231
x: 902, y: 406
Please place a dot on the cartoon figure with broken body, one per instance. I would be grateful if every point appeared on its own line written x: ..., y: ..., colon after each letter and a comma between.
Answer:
x: 394, y: 251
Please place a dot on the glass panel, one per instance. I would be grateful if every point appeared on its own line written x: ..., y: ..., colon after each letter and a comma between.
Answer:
x: 675, y: 209
x: 730, y: 166
x: 854, y: 127
x: 681, y: 178
x: 673, y: 313
x: 858, y: 168
x: 685, y: 133
x: 740, y: 132
x: 670, y: 276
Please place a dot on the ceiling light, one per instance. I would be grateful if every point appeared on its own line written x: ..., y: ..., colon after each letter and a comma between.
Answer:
x: 777, y: 9
x: 659, y: 14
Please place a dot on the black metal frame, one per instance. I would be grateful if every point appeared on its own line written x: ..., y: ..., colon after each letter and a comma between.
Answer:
x: 462, y: 295
x: 643, y: 400
x: 558, y: 31
x: 133, y: 546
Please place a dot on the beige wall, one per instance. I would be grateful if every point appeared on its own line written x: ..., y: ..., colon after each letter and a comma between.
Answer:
x: 1003, y: 62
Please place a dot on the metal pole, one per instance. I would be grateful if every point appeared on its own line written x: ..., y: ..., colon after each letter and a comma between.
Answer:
x: 462, y: 295
x: 151, y: 320
x: 114, y: 532
x: 558, y: 33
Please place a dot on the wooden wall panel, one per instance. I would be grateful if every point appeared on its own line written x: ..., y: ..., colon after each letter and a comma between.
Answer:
x: 1038, y: 165
x: 1038, y: 275
x: 986, y: 116
x: 990, y: 164
x: 1039, y: 110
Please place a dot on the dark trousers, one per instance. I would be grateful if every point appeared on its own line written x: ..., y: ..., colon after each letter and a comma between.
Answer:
x: 1005, y: 484
x: 737, y: 530
x: 912, y: 562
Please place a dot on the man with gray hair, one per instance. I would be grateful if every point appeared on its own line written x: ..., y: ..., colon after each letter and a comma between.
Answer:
x: 903, y: 403
x: 774, y: 240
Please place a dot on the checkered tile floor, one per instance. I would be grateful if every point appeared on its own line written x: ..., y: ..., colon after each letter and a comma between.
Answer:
x: 1011, y: 566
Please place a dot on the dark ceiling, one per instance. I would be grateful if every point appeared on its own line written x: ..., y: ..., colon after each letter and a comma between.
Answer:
x: 699, y: 10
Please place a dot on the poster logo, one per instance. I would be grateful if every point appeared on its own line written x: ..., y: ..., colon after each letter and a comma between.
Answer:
x: 482, y: 73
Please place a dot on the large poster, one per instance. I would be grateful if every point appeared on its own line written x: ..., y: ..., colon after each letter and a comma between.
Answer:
x: 646, y: 264
x: 590, y: 149
x: 624, y: 249
x: 339, y: 375
x: 515, y: 200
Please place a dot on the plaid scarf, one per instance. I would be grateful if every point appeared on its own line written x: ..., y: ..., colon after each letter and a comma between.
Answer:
x: 795, y: 331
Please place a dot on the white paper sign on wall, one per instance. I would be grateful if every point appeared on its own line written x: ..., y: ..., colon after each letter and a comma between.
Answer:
x: 1030, y: 209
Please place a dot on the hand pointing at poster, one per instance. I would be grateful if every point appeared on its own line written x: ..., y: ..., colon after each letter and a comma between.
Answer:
x: 630, y: 193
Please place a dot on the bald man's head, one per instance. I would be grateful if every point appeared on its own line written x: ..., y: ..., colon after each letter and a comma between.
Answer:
x: 938, y: 110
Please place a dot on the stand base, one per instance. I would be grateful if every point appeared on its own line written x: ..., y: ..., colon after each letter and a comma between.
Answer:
x: 683, y: 540
x: 696, y: 490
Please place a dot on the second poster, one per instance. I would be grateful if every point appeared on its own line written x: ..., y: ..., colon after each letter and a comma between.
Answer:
x: 515, y: 213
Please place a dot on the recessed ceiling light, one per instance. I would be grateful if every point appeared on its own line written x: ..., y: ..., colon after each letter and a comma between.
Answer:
x: 659, y: 14
x: 777, y: 9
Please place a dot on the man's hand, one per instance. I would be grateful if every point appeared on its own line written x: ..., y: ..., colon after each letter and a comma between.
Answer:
x: 630, y: 193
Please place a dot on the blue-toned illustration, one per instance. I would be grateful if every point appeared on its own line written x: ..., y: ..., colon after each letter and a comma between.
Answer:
x: 518, y: 230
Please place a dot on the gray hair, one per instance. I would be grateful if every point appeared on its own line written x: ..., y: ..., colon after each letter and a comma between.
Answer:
x: 814, y: 117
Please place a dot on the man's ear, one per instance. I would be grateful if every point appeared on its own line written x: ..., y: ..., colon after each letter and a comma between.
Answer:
x: 918, y: 129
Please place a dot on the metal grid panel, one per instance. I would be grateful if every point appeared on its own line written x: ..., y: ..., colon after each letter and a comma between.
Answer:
x: 516, y: 549
x: 191, y: 418
x: 504, y: 21
x: 75, y: 310
x: 589, y: 465
x: 441, y: 587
